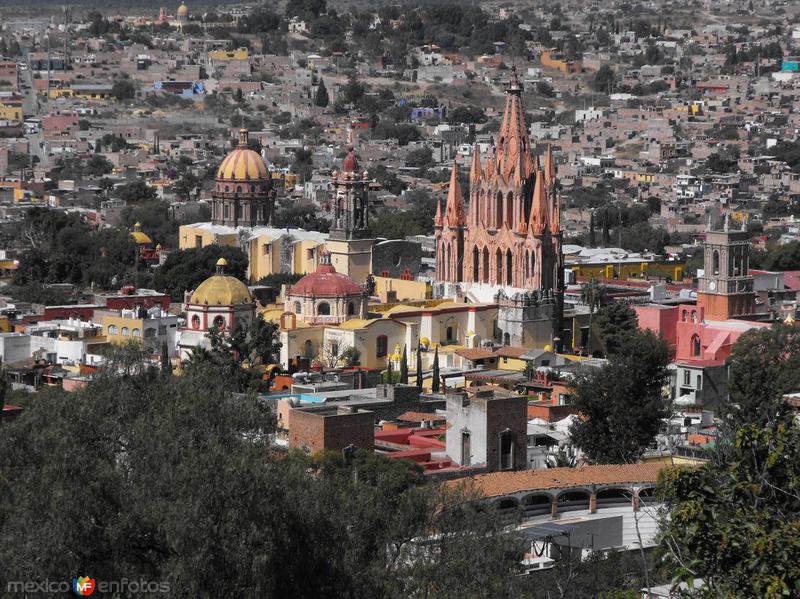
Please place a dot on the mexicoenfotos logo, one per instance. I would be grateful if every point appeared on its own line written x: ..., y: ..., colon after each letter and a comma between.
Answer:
x: 83, y: 586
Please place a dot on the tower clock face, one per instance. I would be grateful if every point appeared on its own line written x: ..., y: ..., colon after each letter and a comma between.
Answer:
x: 712, y: 285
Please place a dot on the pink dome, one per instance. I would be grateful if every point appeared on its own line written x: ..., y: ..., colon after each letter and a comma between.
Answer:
x: 325, y: 282
x: 350, y: 164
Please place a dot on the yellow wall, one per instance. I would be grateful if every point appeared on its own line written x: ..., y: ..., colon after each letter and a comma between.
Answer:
x: 10, y: 113
x: 237, y: 54
x: 630, y: 270
x: 510, y: 363
x: 120, y: 321
x: 405, y: 290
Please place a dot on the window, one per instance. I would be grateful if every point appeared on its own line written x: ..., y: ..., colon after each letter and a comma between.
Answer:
x: 715, y: 262
x: 450, y: 334
x: 699, y: 384
x: 219, y: 322
x: 265, y: 249
x: 195, y: 322
x: 381, y: 346
x: 694, y: 315
x: 696, y: 348
x: 324, y: 309
x: 506, y: 450
x: 112, y: 329
x: 198, y: 241
x: 298, y: 308
x: 685, y: 315
x: 136, y: 333
x: 351, y: 308
x: 687, y: 377
x: 125, y: 331
x: 466, y: 451
x: 149, y: 333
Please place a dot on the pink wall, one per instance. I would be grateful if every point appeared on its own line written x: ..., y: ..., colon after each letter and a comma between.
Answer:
x: 680, y: 325
x: 659, y: 319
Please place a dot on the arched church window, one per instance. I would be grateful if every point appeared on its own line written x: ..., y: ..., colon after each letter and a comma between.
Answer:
x: 219, y: 323
x: 195, y: 322
x: 510, y: 210
x: 715, y: 262
x: 476, y: 262
x: 238, y: 189
x: 498, y: 210
x: 351, y: 308
x: 324, y: 309
x: 696, y: 346
x: 298, y: 308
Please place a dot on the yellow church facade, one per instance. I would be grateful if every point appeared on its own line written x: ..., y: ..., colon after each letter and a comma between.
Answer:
x: 378, y: 340
x: 269, y: 250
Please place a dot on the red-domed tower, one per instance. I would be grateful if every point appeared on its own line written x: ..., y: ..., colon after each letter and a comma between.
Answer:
x: 351, y: 251
x: 243, y: 193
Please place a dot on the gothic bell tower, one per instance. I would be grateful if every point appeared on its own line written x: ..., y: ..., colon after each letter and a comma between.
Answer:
x: 351, y: 251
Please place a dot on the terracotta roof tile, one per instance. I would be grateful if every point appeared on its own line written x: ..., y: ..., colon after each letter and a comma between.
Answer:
x: 420, y: 417
x: 477, y: 353
x: 497, y: 484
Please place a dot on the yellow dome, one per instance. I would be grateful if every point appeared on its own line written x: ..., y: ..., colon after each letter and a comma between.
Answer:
x: 183, y: 10
x: 243, y: 164
x: 221, y: 290
x: 141, y: 238
x: 222, y: 262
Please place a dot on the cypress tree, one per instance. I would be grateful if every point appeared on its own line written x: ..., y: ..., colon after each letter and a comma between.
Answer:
x: 404, y: 367
x: 166, y: 363
x: 321, y: 98
x: 419, y: 367
x: 435, y: 374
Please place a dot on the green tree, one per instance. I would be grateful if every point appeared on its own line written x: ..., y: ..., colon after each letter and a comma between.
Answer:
x: 235, y: 354
x: 604, y: 80
x: 420, y: 158
x: 419, y: 367
x: 435, y: 371
x: 733, y: 522
x: 593, y: 295
x: 404, y: 367
x: 622, y: 403
x: 615, y: 324
x: 123, y: 89
x: 321, y: 97
x: 136, y: 191
x: 184, y: 270
x: 763, y: 366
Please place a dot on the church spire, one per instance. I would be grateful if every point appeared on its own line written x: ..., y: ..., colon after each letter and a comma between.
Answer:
x: 539, y: 210
x: 454, y: 214
x: 438, y: 222
x: 475, y: 170
x: 549, y: 167
x: 513, y: 147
